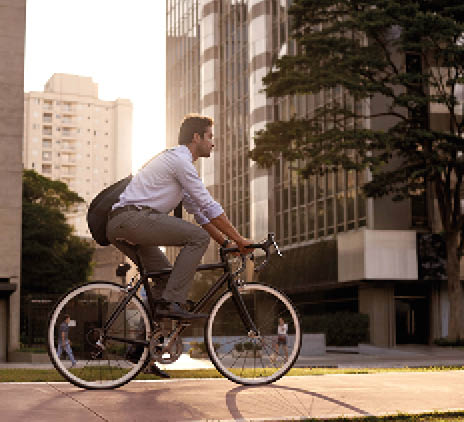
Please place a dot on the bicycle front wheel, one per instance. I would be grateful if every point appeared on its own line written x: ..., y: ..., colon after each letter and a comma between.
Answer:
x: 247, y: 358
x: 89, y: 356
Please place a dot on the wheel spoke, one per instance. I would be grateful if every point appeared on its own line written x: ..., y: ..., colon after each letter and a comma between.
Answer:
x: 90, y: 306
x: 248, y: 359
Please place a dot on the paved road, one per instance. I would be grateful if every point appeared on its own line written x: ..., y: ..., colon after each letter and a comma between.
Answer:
x: 291, y: 398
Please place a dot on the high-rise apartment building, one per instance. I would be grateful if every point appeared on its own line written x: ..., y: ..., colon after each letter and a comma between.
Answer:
x: 343, y: 252
x: 73, y: 136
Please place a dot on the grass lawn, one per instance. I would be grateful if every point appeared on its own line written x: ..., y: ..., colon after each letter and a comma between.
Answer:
x: 50, y: 375
x: 425, y: 417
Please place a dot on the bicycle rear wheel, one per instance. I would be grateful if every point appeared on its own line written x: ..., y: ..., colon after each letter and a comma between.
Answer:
x: 246, y: 358
x: 97, y: 361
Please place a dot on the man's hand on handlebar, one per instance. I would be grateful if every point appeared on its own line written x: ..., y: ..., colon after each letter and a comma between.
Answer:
x: 242, y: 246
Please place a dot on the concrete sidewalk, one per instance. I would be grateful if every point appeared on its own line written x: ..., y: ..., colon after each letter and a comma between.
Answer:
x: 292, y: 398
x: 364, y: 356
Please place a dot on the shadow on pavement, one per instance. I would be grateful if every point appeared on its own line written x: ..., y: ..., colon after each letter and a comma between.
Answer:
x: 277, y: 398
x: 109, y: 405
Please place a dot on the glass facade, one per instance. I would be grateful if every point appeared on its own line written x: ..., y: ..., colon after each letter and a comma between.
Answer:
x: 182, y: 64
x: 232, y: 139
x: 302, y: 209
x: 323, y: 205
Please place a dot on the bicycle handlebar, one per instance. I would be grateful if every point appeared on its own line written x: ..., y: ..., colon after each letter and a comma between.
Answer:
x: 265, y: 246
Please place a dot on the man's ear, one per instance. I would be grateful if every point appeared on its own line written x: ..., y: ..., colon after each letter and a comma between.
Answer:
x: 196, y: 137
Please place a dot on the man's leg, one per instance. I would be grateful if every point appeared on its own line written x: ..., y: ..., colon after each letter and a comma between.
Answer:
x: 59, y: 350
x: 148, y: 230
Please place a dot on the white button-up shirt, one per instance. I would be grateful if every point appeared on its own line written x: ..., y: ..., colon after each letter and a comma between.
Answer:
x: 168, y: 179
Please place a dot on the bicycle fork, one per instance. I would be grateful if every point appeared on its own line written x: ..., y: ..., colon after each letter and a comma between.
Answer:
x: 250, y: 326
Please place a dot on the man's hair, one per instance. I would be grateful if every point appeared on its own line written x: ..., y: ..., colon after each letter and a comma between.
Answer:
x: 193, y: 123
x: 66, y: 317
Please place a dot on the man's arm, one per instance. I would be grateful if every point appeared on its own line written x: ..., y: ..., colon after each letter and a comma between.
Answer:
x: 221, y: 225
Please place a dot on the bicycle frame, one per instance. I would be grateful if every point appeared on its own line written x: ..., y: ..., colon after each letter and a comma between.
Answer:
x: 227, y: 277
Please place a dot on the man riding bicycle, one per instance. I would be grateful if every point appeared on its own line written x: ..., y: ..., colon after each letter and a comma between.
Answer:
x: 141, y: 219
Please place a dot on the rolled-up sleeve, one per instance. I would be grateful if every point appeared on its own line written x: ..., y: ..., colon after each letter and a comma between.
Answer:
x: 197, y: 200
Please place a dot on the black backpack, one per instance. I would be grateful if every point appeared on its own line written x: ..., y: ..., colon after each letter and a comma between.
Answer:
x: 97, y: 214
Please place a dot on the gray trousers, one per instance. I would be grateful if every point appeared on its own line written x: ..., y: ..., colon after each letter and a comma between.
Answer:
x: 148, y: 230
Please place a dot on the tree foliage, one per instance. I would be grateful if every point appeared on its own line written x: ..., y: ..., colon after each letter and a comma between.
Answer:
x: 371, y: 62
x: 53, y: 259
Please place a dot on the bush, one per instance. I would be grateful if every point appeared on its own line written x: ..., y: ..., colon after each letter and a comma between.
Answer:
x: 249, y: 345
x: 449, y: 343
x: 340, y: 328
x: 200, y: 347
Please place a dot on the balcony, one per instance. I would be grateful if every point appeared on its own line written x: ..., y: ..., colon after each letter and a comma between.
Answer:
x: 68, y: 160
x: 67, y: 146
x: 68, y: 121
x: 67, y: 134
x: 67, y: 172
x: 68, y: 108
x: 47, y: 131
x: 377, y: 255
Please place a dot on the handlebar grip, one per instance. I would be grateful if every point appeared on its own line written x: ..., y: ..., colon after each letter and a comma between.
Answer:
x: 230, y: 250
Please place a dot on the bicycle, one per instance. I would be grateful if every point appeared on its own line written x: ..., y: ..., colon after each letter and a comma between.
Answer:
x: 111, y: 321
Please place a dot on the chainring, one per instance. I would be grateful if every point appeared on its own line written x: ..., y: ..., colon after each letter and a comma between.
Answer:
x: 158, y: 350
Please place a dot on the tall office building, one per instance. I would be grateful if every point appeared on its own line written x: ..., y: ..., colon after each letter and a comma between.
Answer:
x: 343, y: 252
x: 12, y: 31
x: 73, y: 136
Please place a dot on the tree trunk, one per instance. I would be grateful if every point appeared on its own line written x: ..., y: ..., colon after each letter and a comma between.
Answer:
x: 455, y: 291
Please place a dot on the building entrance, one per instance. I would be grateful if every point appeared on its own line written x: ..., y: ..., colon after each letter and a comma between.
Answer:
x: 412, y: 319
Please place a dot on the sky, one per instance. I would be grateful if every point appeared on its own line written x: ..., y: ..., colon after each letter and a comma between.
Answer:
x: 120, y: 44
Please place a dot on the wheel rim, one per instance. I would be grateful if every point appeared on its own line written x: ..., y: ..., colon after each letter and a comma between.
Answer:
x: 253, y: 360
x: 88, y: 306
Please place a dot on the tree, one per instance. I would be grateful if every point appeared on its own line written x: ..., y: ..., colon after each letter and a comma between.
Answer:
x: 410, y: 55
x: 53, y: 259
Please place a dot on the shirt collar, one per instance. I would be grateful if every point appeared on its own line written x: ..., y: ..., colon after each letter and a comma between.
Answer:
x: 186, y: 151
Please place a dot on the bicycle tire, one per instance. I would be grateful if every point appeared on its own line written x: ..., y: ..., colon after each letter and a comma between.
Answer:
x: 87, y: 304
x: 224, y: 327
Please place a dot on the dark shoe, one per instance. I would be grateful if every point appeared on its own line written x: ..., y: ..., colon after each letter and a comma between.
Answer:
x: 175, y: 311
x: 152, y: 368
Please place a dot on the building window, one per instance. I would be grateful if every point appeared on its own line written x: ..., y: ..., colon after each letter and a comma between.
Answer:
x: 46, y: 143
x: 46, y: 156
x: 47, y: 130
x: 46, y: 168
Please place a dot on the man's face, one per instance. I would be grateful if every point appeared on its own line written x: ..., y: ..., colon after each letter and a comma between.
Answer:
x: 205, y: 145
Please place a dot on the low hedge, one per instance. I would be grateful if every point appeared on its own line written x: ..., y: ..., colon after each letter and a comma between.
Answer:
x: 340, y: 328
x: 445, y: 342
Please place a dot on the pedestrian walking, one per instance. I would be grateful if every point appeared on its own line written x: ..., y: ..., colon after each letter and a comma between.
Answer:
x: 64, y: 342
